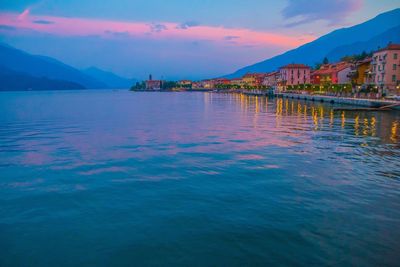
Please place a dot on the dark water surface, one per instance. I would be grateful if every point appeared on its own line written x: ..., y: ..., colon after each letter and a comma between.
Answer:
x: 114, y: 178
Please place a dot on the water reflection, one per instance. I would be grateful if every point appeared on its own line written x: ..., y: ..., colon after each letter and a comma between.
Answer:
x: 154, y: 176
x: 384, y: 125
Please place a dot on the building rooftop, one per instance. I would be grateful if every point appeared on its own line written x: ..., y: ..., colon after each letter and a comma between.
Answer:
x: 390, y: 47
x: 331, y: 68
x: 295, y: 66
x: 272, y: 73
x: 255, y: 74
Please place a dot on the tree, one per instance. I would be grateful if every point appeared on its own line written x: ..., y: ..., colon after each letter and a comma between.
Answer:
x: 325, y: 61
x: 169, y: 85
x: 139, y: 86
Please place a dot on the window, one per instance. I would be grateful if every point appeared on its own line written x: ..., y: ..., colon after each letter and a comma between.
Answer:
x: 394, y: 78
x: 395, y: 56
x: 394, y: 66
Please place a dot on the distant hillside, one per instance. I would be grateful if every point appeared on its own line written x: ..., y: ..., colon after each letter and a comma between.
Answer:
x: 109, y: 78
x: 379, y: 41
x: 40, y: 66
x: 16, y: 81
x: 367, y: 36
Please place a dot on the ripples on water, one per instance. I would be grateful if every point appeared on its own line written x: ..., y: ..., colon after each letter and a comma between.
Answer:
x: 114, y: 178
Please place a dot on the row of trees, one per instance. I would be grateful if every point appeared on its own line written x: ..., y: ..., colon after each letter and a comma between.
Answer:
x: 165, y: 85
x: 332, y: 88
x: 245, y: 86
x: 348, y: 58
x: 138, y: 86
x: 312, y: 88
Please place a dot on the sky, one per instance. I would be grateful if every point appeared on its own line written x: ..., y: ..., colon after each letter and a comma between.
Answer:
x: 174, y: 39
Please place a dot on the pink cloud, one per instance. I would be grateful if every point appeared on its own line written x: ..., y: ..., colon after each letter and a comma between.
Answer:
x: 82, y: 27
x: 24, y: 15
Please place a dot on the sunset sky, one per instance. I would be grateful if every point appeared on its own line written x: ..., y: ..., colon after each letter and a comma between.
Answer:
x: 174, y: 39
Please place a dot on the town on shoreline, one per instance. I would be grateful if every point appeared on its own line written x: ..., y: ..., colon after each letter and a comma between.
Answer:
x: 368, y: 76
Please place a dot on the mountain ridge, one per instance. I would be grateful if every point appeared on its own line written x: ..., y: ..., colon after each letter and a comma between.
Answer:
x: 17, y: 81
x: 43, y: 66
x: 313, y: 52
x: 111, y: 79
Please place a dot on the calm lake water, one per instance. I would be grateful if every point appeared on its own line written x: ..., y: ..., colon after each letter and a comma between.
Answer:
x: 115, y: 178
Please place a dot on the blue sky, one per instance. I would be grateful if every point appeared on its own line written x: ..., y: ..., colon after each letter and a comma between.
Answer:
x: 174, y: 39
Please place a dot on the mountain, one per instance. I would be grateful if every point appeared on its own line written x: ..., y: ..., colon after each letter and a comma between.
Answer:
x: 17, y: 81
x: 367, y: 36
x: 41, y: 66
x: 392, y: 35
x: 109, y: 78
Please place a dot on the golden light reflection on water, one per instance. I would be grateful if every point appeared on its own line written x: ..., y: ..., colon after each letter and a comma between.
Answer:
x: 343, y: 119
x: 356, y: 125
x: 394, y: 135
x: 373, y: 126
x: 314, y: 115
x: 366, y: 127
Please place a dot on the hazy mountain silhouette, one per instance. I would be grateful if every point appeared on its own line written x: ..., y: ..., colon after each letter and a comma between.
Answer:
x: 11, y: 80
x: 109, y: 78
x: 41, y: 66
x: 366, y: 36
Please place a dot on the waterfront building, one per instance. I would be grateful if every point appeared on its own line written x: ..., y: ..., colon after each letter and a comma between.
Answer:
x: 153, y: 84
x: 185, y: 83
x: 208, y: 84
x: 197, y: 85
x: 360, y: 73
x: 253, y: 79
x: 336, y: 73
x: 223, y: 81
x: 386, y: 68
x: 238, y: 82
x: 293, y: 74
x: 271, y: 79
x: 343, y: 76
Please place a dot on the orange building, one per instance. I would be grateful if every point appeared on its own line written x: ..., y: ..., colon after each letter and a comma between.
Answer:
x: 254, y: 79
x: 360, y: 72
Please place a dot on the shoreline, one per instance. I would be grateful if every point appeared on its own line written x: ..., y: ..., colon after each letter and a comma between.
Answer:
x: 348, y: 101
x: 359, y: 102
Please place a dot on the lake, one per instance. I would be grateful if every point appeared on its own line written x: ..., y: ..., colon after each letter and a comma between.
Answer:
x: 118, y: 178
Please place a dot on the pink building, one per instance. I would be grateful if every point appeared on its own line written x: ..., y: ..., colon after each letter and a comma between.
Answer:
x: 386, y: 68
x: 271, y: 79
x: 293, y: 74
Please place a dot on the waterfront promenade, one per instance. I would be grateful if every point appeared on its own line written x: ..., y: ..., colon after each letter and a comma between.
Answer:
x: 372, y: 103
x: 350, y: 101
